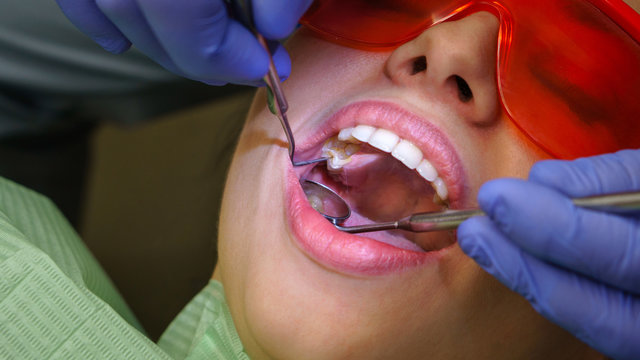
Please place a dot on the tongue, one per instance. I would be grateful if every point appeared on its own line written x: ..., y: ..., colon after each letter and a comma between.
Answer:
x: 380, y: 188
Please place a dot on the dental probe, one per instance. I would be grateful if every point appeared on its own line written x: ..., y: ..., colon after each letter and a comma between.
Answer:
x: 620, y: 203
x: 278, y: 102
x: 242, y: 10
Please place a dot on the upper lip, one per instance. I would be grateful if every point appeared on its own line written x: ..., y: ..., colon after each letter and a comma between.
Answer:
x: 433, y: 142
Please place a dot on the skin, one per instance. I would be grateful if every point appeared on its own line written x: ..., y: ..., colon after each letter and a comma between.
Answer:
x: 287, y: 306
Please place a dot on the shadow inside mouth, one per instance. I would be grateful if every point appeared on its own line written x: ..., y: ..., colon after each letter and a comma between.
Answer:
x: 379, y: 188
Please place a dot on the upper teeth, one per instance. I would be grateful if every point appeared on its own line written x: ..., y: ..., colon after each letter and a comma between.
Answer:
x: 340, y: 149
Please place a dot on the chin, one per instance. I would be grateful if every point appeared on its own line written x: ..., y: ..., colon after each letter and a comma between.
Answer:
x: 299, y: 288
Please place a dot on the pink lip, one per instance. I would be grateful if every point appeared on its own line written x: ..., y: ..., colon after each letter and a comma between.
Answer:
x: 359, y: 255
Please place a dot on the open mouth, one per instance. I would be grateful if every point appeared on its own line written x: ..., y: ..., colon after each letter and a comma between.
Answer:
x: 383, y: 177
x: 387, y: 164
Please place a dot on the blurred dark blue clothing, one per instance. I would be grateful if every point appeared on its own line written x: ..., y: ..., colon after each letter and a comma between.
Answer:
x: 56, y: 85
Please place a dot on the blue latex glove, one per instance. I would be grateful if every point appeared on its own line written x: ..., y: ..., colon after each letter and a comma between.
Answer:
x: 578, y: 268
x: 194, y: 38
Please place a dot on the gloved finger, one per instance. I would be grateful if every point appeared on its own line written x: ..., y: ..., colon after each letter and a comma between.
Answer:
x: 547, y: 225
x: 203, y: 42
x: 280, y: 57
x: 276, y: 19
x: 590, y: 176
x: 127, y: 16
x: 282, y: 60
x: 87, y: 17
x: 605, y: 318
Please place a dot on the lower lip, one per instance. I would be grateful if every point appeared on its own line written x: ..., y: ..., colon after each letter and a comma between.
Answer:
x: 344, y: 252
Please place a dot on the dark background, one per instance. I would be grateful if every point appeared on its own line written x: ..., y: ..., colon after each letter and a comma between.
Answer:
x: 151, y: 207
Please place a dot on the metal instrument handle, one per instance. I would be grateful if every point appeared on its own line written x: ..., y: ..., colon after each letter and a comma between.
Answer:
x: 619, y: 203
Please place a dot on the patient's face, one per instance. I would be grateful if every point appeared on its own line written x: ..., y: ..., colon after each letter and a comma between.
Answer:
x: 298, y: 288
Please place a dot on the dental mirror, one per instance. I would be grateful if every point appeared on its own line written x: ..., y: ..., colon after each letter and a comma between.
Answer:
x: 618, y: 203
x: 326, y: 201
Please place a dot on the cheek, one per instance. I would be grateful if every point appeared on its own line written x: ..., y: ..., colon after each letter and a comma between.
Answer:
x: 247, y: 187
x: 513, y: 152
x: 499, y: 151
x: 313, y: 59
x: 323, y: 73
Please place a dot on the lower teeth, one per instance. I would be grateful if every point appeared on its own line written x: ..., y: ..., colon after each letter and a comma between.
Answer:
x: 316, y: 203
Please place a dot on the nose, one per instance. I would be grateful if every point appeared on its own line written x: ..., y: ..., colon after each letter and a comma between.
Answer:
x: 453, y: 62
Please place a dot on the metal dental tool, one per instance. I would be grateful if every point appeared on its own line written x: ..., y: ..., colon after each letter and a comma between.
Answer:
x: 278, y: 106
x: 620, y: 203
x: 243, y: 12
x: 333, y: 207
x: 325, y: 201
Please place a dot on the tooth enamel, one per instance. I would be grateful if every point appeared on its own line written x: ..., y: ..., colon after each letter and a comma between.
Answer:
x: 315, y: 202
x: 340, y: 149
x: 363, y: 132
x: 336, y: 163
x: 384, y: 140
x: 338, y: 152
x: 440, y: 188
x: 427, y: 171
x: 407, y: 153
x: 351, y: 149
x: 346, y: 135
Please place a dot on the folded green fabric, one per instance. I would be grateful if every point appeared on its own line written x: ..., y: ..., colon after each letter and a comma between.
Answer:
x: 57, y: 303
x: 204, y: 329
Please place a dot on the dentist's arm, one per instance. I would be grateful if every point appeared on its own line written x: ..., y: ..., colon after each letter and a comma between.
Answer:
x: 578, y: 268
x: 195, y: 39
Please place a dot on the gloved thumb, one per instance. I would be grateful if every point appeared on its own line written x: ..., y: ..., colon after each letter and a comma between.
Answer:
x: 594, y: 175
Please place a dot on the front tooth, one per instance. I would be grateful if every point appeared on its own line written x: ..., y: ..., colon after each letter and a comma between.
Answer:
x: 407, y: 153
x: 363, y: 132
x: 384, y: 140
x: 340, y: 149
x: 427, y: 171
x: 440, y: 188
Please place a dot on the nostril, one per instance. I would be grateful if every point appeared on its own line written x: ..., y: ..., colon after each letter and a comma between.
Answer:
x: 419, y: 65
x: 464, y: 91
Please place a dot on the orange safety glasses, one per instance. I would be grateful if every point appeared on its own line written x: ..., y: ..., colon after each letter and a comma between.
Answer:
x: 568, y: 70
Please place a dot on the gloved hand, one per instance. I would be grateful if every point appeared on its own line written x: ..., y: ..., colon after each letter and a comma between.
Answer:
x: 578, y: 268
x: 195, y: 39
